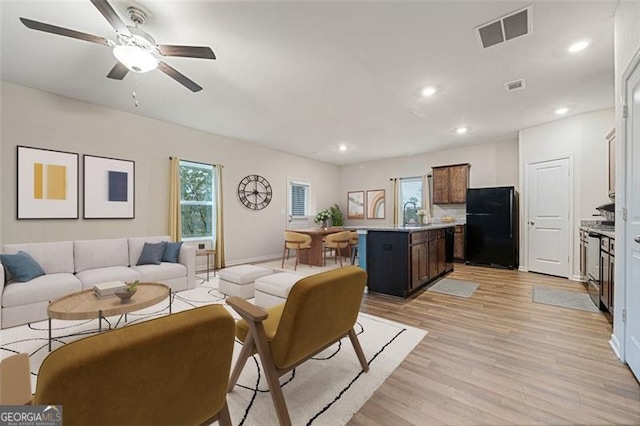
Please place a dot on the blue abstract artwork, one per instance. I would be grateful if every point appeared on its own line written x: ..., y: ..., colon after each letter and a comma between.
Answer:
x: 118, y: 186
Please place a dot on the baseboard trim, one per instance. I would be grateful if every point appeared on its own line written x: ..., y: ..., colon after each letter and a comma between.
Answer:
x: 522, y: 269
x: 258, y: 259
x: 579, y: 278
x: 614, y: 342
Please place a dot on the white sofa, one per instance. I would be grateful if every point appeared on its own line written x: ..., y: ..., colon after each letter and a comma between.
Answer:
x: 72, y: 266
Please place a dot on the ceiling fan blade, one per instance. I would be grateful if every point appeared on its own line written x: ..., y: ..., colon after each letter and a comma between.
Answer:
x: 187, y: 51
x: 47, y: 28
x: 179, y: 77
x: 118, y: 72
x: 110, y: 15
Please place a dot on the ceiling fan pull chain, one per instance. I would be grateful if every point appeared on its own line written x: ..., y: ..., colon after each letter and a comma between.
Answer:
x: 133, y: 94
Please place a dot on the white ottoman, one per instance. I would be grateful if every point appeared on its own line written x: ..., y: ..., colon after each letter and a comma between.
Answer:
x: 239, y: 280
x: 274, y: 289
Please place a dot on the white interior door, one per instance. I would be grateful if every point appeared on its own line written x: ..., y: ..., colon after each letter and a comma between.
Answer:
x: 548, y: 208
x: 632, y: 232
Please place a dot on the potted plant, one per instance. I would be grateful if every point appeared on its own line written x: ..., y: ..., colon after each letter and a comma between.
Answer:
x: 336, y: 215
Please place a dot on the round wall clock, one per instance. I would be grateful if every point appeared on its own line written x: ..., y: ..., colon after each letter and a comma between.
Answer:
x: 254, y: 192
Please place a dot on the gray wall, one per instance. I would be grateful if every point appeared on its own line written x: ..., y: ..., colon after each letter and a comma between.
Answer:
x: 38, y: 119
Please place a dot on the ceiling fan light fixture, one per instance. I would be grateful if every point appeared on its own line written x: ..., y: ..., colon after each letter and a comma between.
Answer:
x: 135, y: 59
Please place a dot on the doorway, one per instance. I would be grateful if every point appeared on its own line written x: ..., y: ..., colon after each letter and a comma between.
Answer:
x: 548, y: 207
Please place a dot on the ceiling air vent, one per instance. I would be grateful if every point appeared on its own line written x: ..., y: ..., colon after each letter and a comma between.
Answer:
x: 515, y: 85
x: 506, y: 28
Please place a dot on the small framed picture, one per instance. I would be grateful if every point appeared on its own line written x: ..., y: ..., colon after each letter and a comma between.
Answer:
x: 47, y: 184
x: 375, y: 204
x: 109, y: 188
x: 355, y: 205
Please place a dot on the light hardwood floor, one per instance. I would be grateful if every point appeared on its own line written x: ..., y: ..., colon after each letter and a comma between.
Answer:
x: 497, y: 358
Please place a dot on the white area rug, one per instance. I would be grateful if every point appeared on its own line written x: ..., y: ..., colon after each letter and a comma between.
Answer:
x: 327, y: 390
x: 563, y: 298
x: 454, y: 287
x: 302, y: 269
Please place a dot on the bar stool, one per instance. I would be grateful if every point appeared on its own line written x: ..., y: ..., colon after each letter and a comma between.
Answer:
x: 353, y: 245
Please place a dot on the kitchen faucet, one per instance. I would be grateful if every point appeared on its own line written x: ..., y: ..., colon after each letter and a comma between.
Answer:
x: 404, y: 211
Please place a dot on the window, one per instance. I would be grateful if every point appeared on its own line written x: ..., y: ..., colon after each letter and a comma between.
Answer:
x: 298, y: 198
x: 197, y: 200
x: 410, y: 192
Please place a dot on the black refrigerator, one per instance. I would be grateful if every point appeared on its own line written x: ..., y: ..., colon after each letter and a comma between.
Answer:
x: 491, y: 234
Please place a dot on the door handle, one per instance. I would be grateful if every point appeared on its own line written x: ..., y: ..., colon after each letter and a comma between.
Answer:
x: 637, y: 239
x: 532, y: 223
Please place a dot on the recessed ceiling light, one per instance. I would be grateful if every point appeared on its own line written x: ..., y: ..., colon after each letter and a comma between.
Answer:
x: 462, y: 130
x: 562, y: 110
x: 429, y: 91
x: 576, y: 47
x: 342, y: 147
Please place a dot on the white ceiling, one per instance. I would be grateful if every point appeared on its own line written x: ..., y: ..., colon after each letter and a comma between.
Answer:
x: 303, y: 77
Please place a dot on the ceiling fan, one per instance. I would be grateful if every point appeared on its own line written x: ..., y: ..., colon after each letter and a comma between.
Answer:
x: 135, y: 49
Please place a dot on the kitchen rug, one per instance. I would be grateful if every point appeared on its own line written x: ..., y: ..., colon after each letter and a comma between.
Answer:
x: 454, y: 287
x: 563, y: 298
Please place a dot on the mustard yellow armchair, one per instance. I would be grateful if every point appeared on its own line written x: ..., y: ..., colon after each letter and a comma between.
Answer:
x: 320, y: 310
x: 172, y: 370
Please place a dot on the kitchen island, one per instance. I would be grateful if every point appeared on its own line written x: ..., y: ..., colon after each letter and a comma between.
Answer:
x: 401, y: 260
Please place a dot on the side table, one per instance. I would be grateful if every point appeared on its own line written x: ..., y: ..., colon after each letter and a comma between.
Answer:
x: 209, y: 253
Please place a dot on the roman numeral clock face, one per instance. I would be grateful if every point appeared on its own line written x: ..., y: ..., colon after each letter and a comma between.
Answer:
x: 254, y: 192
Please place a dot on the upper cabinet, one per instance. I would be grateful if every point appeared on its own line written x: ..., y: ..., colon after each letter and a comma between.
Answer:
x: 450, y: 184
x: 611, y: 140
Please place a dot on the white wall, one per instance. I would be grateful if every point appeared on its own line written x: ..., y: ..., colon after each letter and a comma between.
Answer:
x: 37, y: 119
x: 581, y: 137
x: 492, y: 164
x: 626, y: 28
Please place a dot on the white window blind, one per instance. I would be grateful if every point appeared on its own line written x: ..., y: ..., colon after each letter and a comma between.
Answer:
x: 298, y: 198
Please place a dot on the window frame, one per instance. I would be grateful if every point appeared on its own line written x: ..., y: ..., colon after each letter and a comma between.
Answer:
x: 401, y: 196
x: 212, y: 203
x: 307, y: 201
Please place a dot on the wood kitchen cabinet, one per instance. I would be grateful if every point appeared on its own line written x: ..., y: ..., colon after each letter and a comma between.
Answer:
x: 450, y: 184
x: 419, y: 258
x: 611, y: 141
x: 458, y: 243
x: 607, y: 272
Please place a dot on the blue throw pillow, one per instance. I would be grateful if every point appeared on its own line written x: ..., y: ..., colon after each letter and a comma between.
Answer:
x: 152, y: 253
x: 21, y: 266
x: 171, y: 252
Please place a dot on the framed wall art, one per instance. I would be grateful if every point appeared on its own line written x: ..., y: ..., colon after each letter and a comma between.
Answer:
x: 47, y: 184
x: 109, y: 188
x: 355, y: 205
x: 375, y: 204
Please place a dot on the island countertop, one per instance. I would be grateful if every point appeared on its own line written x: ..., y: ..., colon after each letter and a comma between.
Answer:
x: 408, y: 228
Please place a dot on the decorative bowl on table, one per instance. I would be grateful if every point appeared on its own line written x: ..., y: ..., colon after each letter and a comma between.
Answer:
x: 125, y: 295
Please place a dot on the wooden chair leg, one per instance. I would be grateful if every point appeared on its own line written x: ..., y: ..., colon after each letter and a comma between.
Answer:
x: 356, y: 346
x: 339, y: 254
x: 297, y: 259
x: 245, y: 353
x: 224, y: 419
x: 271, y: 374
x: 283, y: 254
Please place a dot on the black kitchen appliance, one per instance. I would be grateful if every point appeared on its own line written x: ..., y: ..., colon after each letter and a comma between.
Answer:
x: 491, y: 233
